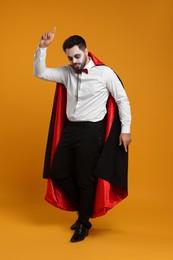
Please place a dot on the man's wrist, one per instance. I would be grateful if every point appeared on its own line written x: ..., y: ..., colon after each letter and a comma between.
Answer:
x: 42, y: 50
x: 42, y: 47
x: 125, y: 129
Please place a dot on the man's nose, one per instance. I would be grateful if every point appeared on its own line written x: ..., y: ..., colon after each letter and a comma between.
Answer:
x: 74, y: 60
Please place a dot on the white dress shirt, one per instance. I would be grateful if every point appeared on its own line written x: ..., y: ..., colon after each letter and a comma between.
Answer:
x: 87, y: 94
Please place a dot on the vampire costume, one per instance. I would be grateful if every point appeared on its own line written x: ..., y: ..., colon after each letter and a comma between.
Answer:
x: 112, y: 167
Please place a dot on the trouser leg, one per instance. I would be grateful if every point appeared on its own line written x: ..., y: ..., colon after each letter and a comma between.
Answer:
x: 88, y: 150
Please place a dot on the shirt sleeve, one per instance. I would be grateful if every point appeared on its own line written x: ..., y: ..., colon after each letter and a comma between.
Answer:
x: 42, y: 72
x: 117, y: 90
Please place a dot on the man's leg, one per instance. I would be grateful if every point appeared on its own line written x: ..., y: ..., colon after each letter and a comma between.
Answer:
x: 89, y: 144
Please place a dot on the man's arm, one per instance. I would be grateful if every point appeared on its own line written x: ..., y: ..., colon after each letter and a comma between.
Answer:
x: 40, y: 69
x: 117, y: 91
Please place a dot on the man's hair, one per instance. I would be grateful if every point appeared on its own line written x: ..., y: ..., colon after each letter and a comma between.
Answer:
x: 74, y: 40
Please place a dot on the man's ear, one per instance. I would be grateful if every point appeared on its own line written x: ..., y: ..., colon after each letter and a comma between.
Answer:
x: 86, y: 51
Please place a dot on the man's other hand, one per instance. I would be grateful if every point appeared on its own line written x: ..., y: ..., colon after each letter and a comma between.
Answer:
x: 125, y: 139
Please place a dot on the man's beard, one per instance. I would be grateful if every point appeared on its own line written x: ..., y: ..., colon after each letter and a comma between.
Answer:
x: 82, y: 65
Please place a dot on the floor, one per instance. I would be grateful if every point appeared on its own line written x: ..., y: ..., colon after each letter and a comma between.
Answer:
x: 134, y: 229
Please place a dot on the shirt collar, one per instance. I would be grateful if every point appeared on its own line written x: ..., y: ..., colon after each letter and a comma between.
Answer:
x: 89, y: 65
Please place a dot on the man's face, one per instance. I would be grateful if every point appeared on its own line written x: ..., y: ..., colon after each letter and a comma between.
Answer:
x: 77, y: 57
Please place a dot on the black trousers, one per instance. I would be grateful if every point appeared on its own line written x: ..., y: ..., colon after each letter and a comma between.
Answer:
x: 74, y: 162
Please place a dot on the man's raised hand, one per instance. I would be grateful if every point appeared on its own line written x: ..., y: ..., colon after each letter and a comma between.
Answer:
x: 47, y: 38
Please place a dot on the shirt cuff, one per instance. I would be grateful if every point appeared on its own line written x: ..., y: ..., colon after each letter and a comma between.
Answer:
x: 42, y: 49
x: 125, y: 129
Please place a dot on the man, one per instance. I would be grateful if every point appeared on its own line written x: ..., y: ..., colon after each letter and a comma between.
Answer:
x: 73, y: 163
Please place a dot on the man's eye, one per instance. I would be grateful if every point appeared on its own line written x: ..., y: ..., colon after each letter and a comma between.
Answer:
x: 69, y: 58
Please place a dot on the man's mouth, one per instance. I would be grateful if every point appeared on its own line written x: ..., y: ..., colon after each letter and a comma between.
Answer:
x: 76, y: 65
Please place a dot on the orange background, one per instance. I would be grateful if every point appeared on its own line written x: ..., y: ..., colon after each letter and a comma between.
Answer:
x: 135, y: 39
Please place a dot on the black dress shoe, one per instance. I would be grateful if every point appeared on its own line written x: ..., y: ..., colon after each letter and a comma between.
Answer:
x: 80, y: 233
x: 73, y: 227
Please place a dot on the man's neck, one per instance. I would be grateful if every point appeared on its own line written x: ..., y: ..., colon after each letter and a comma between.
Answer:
x: 88, y: 60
